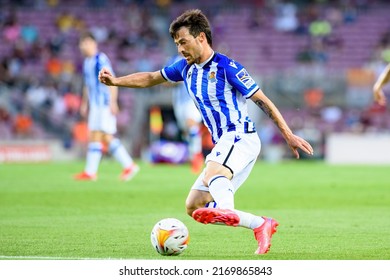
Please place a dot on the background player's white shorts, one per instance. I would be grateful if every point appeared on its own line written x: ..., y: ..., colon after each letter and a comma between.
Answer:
x: 101, y: 119
x: 184, y: 111
x: 237, y: 151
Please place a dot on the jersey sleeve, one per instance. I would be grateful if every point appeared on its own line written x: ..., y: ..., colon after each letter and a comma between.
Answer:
x: 104, y: 61
x: 174, y: 72
x: 240, y: 79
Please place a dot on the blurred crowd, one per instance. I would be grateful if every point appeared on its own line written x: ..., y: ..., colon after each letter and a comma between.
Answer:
x: 40, y: 65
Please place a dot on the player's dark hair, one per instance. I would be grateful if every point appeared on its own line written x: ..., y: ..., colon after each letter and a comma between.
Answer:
x: 195, y: 21
x: 87, y: 35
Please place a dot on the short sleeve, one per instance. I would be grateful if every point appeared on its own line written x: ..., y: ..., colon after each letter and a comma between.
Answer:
x: 240, y: 79
x: 174, y: 72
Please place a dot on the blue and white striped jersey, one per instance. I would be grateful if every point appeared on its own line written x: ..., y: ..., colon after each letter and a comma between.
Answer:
x: 180, y: 94
x: 219, y: 88
x: 99, y: 94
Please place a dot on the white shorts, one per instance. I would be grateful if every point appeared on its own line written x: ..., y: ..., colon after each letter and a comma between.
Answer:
x: 237, y: 151
x: 101, y: 119
x: 185, y: 111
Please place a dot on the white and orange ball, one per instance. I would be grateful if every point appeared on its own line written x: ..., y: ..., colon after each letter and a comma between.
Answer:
x: 169, y: 237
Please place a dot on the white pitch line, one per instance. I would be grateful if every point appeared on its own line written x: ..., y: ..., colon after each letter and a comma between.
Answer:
x: 53, y: 258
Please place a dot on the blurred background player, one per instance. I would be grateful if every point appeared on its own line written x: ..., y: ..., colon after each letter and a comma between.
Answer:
x: 188, y: 120
x: 101, y: 104
x: 383, y: 79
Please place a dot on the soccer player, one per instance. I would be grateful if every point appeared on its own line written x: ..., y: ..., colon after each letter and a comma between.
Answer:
x: 219, y: 87
x: 102, y: 104
x: 189, y: 121
x: 384, y: 78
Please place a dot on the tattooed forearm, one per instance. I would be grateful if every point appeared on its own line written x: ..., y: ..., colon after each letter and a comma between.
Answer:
x: 266, y: 109
x: 273, y: 115
x: 272, y: 112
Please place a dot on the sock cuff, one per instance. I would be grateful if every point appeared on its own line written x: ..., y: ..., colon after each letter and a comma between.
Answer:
x: 212, y: 179
x: 95, y: 147
x: 194, y: 130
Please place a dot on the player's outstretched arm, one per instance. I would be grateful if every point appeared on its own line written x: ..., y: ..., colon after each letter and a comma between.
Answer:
x: 384, y: 78
x: 295, y: 142
x: 136, y: 80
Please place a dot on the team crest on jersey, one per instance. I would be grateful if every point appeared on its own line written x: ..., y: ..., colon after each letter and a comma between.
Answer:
x: 212, y: 77
x: 244, y: 77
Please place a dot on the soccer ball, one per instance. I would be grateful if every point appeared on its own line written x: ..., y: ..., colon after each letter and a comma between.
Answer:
x: 169, y: 237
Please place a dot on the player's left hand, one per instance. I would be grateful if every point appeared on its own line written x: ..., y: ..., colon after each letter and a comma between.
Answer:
x: 84, y: 109
x: 114, y: 108
x: 379, y: 97
x: 295, y: 142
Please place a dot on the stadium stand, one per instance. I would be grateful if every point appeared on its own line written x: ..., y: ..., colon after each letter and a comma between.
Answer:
x: 39, y: 54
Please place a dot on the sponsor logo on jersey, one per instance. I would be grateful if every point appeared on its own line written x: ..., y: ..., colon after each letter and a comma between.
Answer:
x: 232, y: 64
x: 244, y: 77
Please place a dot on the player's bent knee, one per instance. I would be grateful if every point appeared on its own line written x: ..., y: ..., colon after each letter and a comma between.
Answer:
x: 190, y: 210
x: 191, y: 206
x: 215, y: 169
x: 197, y: 199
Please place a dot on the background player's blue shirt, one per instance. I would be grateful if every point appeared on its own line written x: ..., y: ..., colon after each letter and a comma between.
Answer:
x: 99, y: 94
x: 219, y: 88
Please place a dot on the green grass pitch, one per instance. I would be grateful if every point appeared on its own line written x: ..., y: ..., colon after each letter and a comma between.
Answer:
x: 325, y: 212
